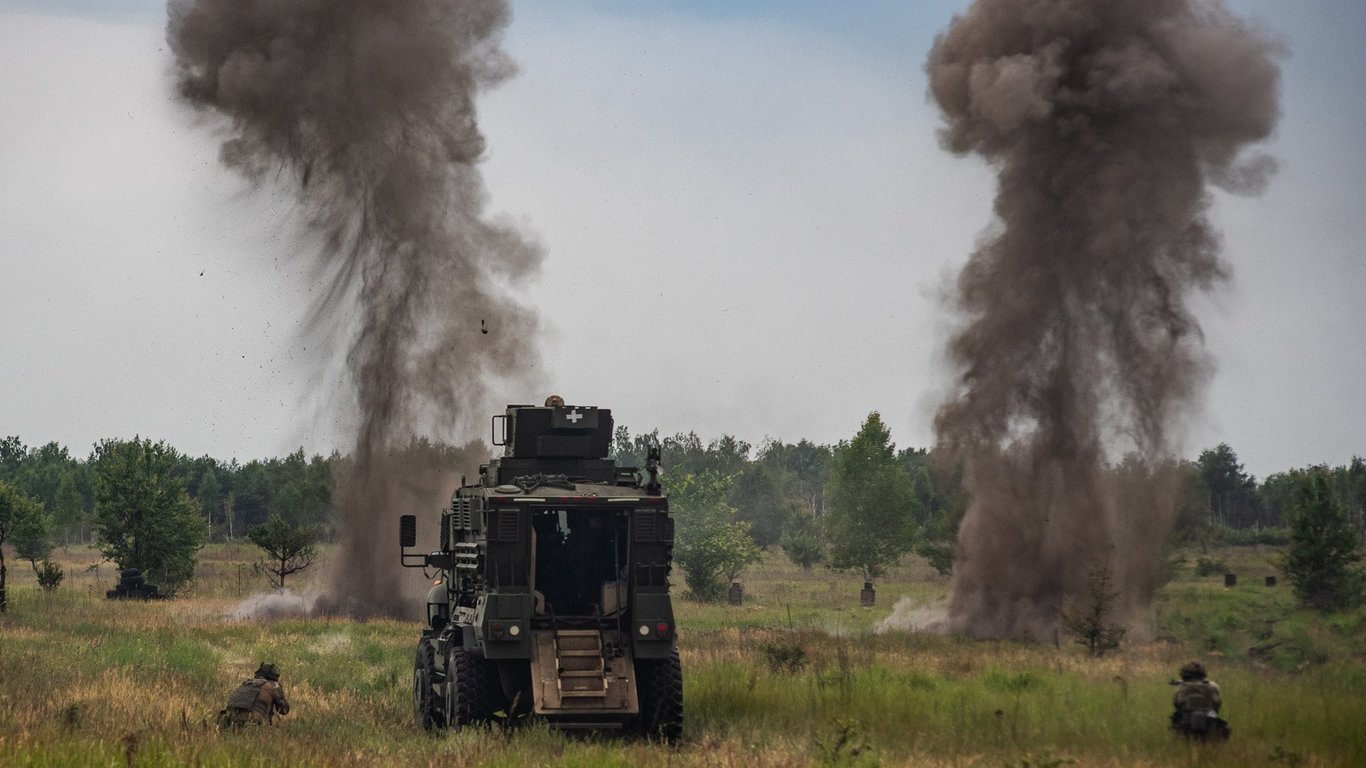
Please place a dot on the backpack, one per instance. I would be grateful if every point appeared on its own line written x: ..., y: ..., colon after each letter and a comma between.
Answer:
x: 246, y: 694
x: 1198, y: 718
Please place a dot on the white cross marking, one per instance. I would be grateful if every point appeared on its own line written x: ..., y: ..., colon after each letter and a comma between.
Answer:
x: 574, y: 416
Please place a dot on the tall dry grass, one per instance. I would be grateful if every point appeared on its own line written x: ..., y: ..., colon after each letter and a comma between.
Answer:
x: 86, y: 681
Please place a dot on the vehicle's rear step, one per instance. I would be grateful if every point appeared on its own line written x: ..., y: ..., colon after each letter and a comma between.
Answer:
x: 576, y: 672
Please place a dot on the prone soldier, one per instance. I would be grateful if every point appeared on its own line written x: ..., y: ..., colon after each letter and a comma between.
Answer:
x: 256, y: 701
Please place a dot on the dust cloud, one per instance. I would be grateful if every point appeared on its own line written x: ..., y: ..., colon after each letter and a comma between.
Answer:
x: 273, y: 605
x: 365, y: 109
x: 914, y: 615
x: 1107, y: 122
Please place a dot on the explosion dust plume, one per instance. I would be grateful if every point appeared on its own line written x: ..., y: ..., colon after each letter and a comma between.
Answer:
x: 367, y: 107
x: 1106, y: 121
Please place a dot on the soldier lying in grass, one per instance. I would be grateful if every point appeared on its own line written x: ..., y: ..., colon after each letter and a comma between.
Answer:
x: 256, y: 701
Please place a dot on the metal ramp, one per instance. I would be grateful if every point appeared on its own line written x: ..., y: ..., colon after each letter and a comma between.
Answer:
x: 580, y: 670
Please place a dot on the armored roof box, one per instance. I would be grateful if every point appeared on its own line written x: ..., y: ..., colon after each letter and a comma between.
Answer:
x: 554, y: 432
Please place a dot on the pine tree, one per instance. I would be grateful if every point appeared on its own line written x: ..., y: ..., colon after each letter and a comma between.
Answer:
x: 288, y: 548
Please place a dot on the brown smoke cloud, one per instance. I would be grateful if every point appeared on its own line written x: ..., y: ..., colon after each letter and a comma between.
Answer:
x: 1106, y: 122
x: 367, y: 108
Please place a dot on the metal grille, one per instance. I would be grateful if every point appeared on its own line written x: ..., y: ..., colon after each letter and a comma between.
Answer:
x: 461, y: 517
x: 645, y: 526
x: 508, y: 525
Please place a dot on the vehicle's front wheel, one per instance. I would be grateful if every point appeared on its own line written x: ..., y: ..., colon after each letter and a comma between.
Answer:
x: 465, y: 689
x: 426, y: 701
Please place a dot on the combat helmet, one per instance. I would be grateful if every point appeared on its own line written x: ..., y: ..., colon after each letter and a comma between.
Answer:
x: 268, y: 671
x: 1193, y: 670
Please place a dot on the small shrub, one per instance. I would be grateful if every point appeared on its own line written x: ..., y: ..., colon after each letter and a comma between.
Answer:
x: 784, y: 655
x: 1205, y: 566
x: 49, y: 575
x: 846, y: 747
x: 1091, y: 626
x: 804, y: 546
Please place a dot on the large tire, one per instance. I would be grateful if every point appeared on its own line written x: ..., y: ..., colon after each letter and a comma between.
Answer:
x: 465, y: 690
x: 427, y: 704
x: 659, y: 687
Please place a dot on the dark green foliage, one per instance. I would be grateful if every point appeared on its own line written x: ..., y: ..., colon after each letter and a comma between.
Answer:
x: 938, y: 555
x: 846, y: 746
x: 1089, y: 624
x: 1205, y: 566
x: 32, y: 534
x: 779, y: 490
x: 1323, y: 556
x: 289, y: 548
x: 711, y: 547
x: 802, y: 542
x: 784, y: 654
x: 12, y: 454
x: 938, y: 504
x: 17, y: 513
x: 803, y: 469
x: 1232, y: 493
x: 49, y: 574
x: 51, y: 477
x: 683, y: 453
x: 759, y: 501
x: 69, y: 506
x: 144, y: 517
x: 868, y: 519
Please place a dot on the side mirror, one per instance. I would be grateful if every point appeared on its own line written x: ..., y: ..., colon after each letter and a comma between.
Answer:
x: 407, y: 531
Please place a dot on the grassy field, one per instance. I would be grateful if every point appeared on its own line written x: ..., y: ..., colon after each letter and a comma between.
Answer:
x: 797, y: 676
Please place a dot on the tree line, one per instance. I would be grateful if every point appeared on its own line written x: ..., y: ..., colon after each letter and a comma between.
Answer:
x: 230, y: 497
x: 858, y: 505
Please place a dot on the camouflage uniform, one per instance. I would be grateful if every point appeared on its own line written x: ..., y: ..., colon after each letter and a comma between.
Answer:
x: 1196, y: 705
x: 256, y: 701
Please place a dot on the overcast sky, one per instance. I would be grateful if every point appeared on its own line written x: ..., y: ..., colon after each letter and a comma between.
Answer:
x: 746, y: 217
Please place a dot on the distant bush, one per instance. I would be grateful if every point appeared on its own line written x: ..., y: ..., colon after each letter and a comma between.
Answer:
x: 846, y: 746
x: 803, y: 544
x: 49, y: 575
x: 1205, y: 566
x: 784, y: 655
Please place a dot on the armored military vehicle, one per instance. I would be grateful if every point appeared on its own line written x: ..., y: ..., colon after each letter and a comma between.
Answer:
x: 552, y: 586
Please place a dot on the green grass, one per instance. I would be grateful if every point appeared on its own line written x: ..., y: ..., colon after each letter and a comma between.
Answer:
x: 84, y: 681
